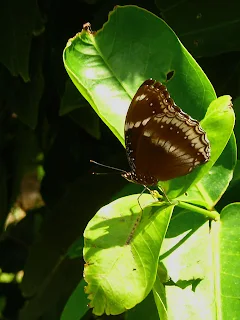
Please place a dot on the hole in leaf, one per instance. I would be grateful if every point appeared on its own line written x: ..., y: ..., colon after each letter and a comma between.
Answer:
x: 170, y: 74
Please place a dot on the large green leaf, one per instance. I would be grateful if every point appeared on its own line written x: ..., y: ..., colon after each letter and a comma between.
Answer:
x: 228, y: 262
x: 107, y: 68
x: 122, y: 246
x: 187, y: 256
x: 203, y: 267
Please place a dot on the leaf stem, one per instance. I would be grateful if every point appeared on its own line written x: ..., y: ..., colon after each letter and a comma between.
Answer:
x: 214, y: 215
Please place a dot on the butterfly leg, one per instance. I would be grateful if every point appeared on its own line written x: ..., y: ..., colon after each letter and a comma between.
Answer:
x: 138, y: 219
x: 164, y: 193
x: 145, y: 188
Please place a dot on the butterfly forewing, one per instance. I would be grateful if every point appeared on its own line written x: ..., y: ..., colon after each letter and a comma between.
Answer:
x: 146, y: 103
x: 162, y: 142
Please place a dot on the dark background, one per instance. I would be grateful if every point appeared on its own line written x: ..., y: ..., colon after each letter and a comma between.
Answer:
x: 47, y: 191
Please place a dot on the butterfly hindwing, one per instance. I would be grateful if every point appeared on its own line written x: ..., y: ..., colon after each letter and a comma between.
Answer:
x: 171, y: 145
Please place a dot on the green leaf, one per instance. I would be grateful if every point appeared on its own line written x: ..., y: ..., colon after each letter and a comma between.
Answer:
x: 228, y: 262
x: 102, y: 75
x: 77, y: 305
x: 208, y: 191
x: 160, y: 298
x: 218, y: 123
x: 109, y: 66
x: 17, y: 36
x: 122, y: 245
x: 203, y: 266
x: 199, y: 29
x: 187, y: 255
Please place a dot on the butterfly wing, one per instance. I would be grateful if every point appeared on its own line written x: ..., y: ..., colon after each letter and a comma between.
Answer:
x: 172, y: 144
x: 162, y: 142
x: 147, y: 102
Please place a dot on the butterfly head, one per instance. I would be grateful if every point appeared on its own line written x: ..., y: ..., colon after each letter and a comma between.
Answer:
x: 145, y: 180
x: 128, y: 176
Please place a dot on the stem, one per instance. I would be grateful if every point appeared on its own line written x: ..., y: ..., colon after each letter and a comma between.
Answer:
x: 214, y: 215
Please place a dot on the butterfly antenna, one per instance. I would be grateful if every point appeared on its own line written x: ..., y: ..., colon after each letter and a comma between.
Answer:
x: 104, y: 173
x: 105, y: 166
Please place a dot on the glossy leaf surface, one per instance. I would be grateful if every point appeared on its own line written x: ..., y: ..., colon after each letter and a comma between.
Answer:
x: 121, y: 253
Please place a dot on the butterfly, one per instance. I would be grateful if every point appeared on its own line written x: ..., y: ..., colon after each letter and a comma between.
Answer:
x: 162, y: 142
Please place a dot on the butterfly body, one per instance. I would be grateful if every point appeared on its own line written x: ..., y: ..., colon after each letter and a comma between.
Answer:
x: 162, y: 141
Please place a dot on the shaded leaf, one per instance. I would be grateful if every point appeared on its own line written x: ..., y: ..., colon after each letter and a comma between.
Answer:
x: 17, y: 36
x: 87, y: 119
x: 4, y: 195
x: 53, y: 293
x: 71, y: 99
x: 77, y: 304
x: 121, y: 251
x: 144, y: 310
x: 204, y: 24
x: 49, y: 276
x: 24, y: 98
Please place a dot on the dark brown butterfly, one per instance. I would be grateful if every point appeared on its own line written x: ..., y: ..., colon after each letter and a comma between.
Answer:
x: 162, y: 141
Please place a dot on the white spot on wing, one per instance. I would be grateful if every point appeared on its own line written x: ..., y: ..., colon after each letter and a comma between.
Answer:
x: 145, y: 121
x: 172, y: 148
x: 147, y: 133
x: 137, y: 124
x: 141, y: 97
